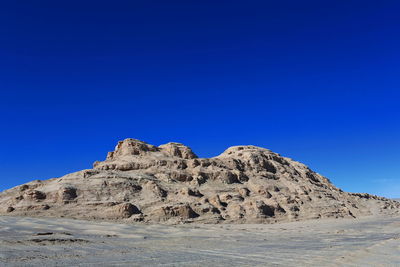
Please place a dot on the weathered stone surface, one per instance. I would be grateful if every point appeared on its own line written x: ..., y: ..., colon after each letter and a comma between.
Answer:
x: 181, y: 211
x: 10, y: 209
x: 139, y: 182
x: 34, y: 195
x: 124, y: 210
x: 67, y: 193
x: 178, y: 150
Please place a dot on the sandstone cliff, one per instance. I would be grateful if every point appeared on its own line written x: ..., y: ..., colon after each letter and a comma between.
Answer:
x: 169, y: 183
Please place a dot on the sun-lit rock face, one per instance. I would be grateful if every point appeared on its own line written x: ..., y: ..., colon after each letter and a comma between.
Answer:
x: 169, y: 184
x: 178, y: 150
x: 131, y: 147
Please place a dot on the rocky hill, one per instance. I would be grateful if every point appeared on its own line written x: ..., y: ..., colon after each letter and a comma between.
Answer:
x: 169, y: 183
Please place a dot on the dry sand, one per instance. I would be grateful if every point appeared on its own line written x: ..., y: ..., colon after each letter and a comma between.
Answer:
x: 369, y: 241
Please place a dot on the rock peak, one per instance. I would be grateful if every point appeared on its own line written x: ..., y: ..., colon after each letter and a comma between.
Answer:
x: 131, y: 147
x: 244, y: 149
x: 178, y: 150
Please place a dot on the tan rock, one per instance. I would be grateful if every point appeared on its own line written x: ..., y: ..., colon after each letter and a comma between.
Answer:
x: 245, y: 184
x: 178, y: 150
x: 34, y: 195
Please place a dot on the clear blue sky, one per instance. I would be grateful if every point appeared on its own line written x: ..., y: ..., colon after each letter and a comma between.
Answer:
x: 317, y: 81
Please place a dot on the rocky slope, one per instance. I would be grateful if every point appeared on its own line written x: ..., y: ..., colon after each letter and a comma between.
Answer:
x: 169, y: 183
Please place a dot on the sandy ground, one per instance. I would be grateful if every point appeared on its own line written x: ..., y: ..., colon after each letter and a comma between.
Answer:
x: 64, y: 242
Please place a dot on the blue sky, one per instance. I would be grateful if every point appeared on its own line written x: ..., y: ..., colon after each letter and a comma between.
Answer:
x: 317, y: 81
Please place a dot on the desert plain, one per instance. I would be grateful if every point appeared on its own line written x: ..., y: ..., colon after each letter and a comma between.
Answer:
x: 369, y: 241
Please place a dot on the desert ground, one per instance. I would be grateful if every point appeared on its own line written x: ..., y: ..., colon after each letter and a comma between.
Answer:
x: 368, y: 241
x: 149, y: 205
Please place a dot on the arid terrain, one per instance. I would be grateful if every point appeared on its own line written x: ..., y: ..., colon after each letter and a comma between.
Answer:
x: 147, y: 205
x: 369, y: 241
x: 169, y: 184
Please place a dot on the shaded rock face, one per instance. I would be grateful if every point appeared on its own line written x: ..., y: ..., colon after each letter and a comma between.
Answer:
x: 123, y: 210
x: 67, y: 193
x: 183, y: 212
x: 140, y: 182
x: 34, y: 195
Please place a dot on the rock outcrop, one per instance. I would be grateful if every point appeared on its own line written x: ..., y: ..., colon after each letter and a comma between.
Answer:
x: 170, y: 184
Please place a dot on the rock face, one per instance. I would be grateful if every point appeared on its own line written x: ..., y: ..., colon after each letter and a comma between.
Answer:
x: 170, y: 184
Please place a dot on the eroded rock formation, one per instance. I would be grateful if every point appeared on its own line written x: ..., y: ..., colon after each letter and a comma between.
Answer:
x: 170, y: 184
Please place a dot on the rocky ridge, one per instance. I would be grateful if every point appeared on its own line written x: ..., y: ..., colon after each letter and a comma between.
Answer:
x: 139, y: 182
